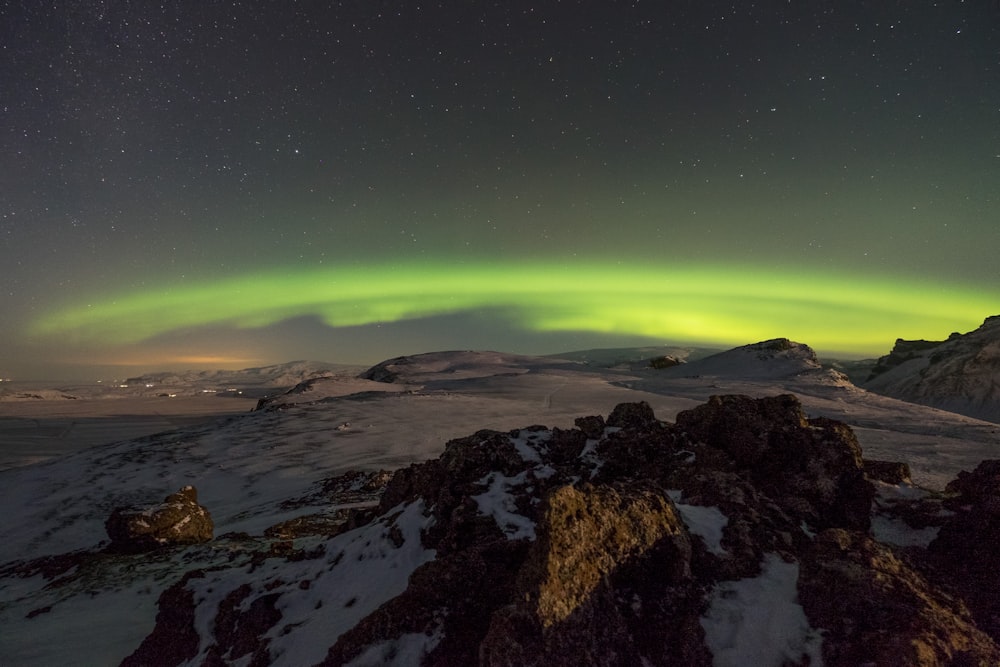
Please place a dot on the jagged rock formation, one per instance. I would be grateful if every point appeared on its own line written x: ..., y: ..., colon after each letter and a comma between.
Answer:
x: 961, y: 374
x: 179, y: 519
x: 739, y: 533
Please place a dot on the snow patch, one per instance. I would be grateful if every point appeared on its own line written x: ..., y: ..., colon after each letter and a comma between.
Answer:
x: 525, y: 443
x: 689, y: 456
x: 500, y: 504
x: 893, y: 530
x: 589, y: 448
x: 897, y: 532
x: 705, y: 522
x: 904, y: 491
x: 543, y: 472
x: 409, y: 649
x: 759, y: 621
x: 363, y: 569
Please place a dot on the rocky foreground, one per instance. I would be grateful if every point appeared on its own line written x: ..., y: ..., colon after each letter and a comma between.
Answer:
x: 622, y: 541
x: 743, y: 533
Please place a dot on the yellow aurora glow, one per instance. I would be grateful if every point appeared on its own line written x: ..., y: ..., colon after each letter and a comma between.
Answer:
x: 709, y: 304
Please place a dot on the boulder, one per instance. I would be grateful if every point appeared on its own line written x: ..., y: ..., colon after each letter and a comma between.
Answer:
x: 178, y: 520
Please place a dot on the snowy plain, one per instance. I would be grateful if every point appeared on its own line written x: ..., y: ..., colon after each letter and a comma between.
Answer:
x: 246, y: 464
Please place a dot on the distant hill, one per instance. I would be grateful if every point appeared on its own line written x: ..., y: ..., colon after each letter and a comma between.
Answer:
x: 278, y: 375
x: 961, y: 374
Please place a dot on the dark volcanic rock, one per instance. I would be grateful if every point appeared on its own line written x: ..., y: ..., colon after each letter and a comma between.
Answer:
x: 179, y: 519
x: 631, y: 415
x: 595, y: 545
x: 811, y: 467
x: 967, y: 549
x: 174, y: 639
x: 591, y: 427
x: 876, y: 610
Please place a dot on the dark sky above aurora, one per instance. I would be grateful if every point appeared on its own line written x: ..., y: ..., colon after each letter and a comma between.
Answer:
x: 207, y: 184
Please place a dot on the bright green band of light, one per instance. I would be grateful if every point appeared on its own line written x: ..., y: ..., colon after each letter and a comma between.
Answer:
x: 721, y: 304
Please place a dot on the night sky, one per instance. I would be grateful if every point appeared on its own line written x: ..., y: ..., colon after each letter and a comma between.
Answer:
x: 209, y: 184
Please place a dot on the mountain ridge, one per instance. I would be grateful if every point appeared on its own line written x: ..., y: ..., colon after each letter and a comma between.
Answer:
x: 960, y: 374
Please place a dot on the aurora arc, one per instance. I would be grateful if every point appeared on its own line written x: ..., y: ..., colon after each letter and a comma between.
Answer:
x: 719, y: 304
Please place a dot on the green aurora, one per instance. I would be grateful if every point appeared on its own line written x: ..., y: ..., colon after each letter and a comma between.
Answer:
x: 719, y: 305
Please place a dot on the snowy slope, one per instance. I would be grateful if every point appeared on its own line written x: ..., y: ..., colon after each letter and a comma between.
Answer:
x: 768, y: 359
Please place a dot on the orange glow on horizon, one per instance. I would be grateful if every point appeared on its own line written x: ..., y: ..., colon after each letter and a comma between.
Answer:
x: 166, y: 361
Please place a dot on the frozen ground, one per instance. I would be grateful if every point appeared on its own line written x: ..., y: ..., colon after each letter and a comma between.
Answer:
x: 244, y: 464
x: 35, y: 430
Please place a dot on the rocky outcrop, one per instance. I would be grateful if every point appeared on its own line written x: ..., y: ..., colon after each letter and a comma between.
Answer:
x: 742, y: 529
x: 179, y: 519
x: 960, y: 374
x: 603, y: 555
x: 812, y: 468
x: 174, y: 640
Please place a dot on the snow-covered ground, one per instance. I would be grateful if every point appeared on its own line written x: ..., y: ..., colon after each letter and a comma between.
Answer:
x: 40, y: 420
x: 245, y: 464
